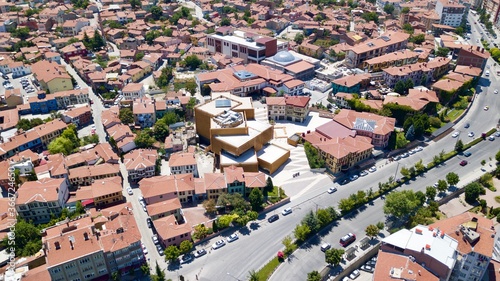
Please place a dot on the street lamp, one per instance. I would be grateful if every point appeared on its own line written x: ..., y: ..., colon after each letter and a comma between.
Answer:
x: 233, y: 276
x: 396, y: 173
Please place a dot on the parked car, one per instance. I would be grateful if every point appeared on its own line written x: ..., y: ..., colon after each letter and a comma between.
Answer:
x: 455, y: 134
x: 130, y: 191
x: 347, y: 239
x: 497, y: 134
x: 332, y: 190
x: 372, y: 169
x: 325, y: 246
x: 471, y: 135
x: 186, y: 258
x: 233, y: 237
x: 273, y: 218
x: 467, y: 153
x: 144, y: 249
x: 200, y: 253
x: 405, y: 155
x: 467, y: 125
x: 491, y: 138
x: 149, y: 222
x: 155, y: 239
x: 463, y: 163
x: 160, y: 249
x: 344, y: 182
x: 286, y: 211
x: 218, y: 244
x: 367, y: 268
x: 355, y: 274
x: 353, y: 177
x: 363, y: 173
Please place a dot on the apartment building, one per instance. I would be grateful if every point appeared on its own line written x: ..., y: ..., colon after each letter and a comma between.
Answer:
x: 159, y: 188
x: 144, y: 113
x: 107, y: 191
x: 51, y: 76
x: 133, y: 91
x: 250, y: 47
x: 170, y: 232
x: 167, y: 207
x: 53, y: 166
x: 88, y: 249
x: 38, y: 201
x: 71, y: 28
x: 123, y: 136
x: 183, y: 163
x: 79, y: 116
x: 19, y: 69
x: 141, y: 163
x: 73, y: 50
x: 215, y: 185
x: 276, y: 108
x: 292, y: 108
x: 71, y: 97
x: 388, y: 42
x: 398, y: 58
x: 86, y: 175
x: 474, y: 56
x: 350, y: 83
x: 451, y: 12
x: 41, y: 103
x: 293, y: 87
x: 420, y: 73
x: 492, y: 8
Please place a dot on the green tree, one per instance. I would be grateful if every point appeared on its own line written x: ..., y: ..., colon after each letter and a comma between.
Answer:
x: 400, y: 87
x: 192, y: 62
x: 472, y: 192
x: 200, y: 231
x: 311, y: 220
x: 172, y: 253
x: 288, y: 243
x: 97, y: 41
x: 185, y: 246
x: 256, y: 199
x: 372, y: 230
x: 160, y: 130
x: 405, y: 10
x: 389, y: 9
x: 405, y: 172
x: 430, y: 193
x: 408, y: 28
x: 442, y: 185
x: 126, y: 116
x: 225, y: 22
x: 145, y: 269
x: 299, y: 37
x: 372, y: 16
x: 452, y: 178
x: 401, y: 203
x: 324, y: 217
x: 22, y: 33
x: 61, y: 145
x: 144, y: 138
x: 334, y: 256
x: 419, y: 167
x: 442, y: 52
x: 156, y: 12
x: 139, y: 55
x: 225, y: 221
x: 497, y: 156
x: 346, y: 205
x: 27, y: 238
x: 314, y: 276
x: 253, y: 276
x: 151, y: 36
x: 313, y: 156
x: 115, y: 276
x: 209, y: 206
x: 135, y: 4
x: 160, y: 274
x: 301, y: 232
x: 270, y: 186
x: 165, y: 77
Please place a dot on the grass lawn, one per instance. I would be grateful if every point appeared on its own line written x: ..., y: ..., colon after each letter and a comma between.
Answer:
x: 453, y: 114
x: 268, y: 269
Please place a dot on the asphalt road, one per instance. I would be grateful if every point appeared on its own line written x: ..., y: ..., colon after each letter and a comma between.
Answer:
x: 310, y: 257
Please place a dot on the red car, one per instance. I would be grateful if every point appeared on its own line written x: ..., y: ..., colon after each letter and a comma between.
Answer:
x: 463, y: 163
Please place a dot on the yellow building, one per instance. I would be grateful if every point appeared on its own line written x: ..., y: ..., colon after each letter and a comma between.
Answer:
x: 52, y: 76
x: 107, y: 191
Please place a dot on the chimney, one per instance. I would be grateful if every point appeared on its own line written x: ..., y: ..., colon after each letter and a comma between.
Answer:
x: 71, y: 244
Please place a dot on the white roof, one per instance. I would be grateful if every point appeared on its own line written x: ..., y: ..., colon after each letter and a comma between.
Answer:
x: 227, y: 159
x: 271, y: 153
x: 442, y: 247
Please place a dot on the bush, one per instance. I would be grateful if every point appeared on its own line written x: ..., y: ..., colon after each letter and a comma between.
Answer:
x: 435, y: 122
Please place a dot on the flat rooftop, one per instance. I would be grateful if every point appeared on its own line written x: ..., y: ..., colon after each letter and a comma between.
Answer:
x: 248, y: 157
x: 271, y: 153
x: 238, y: 38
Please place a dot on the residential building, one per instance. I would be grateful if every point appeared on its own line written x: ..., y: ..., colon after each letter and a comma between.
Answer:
x: 183, y: 163
x: 51, y: 76
x: 86, y: 175
x: 73, y: 50
x: 475, y: 238
x: 474, y: 56
x: 13, y: 97
x: 167, y: 207
x: 419, y: 73
x: 160, y: 188
x: 144, y: 113
x: 107, y: 191
x: 398, y: 58
x: 24, y: 165
x: 71, y: 97
x: 276, y: 108
x: 215, y: 185
x: 141, y: 163
x: 311, y: 50
x: 79, y: 116
x: 292, y: 108
x: 293, y: 87
x: 9, y: 119
x: 39, y: 200
x: 417, y: 99
x: 491, y: 8
x: 235, y: 180
x: 451, y: 13
x: 71, y: 28
x: 123, y: 137
x: 19, y: 69
x: 170, y: 232
x: 53, y: 166
x: 133, y: 91
x: 350, y: 83
x: 388, y: 42
x: 42, y: 104
x: 250, y: 47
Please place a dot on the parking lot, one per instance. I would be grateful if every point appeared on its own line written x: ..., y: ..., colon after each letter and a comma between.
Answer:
x: 24, y: 83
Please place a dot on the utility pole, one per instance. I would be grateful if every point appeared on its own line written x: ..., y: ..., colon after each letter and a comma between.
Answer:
x: 396, y: 173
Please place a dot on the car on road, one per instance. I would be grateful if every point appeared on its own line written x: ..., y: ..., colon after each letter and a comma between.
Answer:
x: 486, y: 108
x: 483, y: 169
x: 233, y: 237
x: 130, y: 191
x: 355, y: 274
x: 144, y: 249
x: 160, y: 249
x: 491, y: 138
x: 347, y: 239
x: 149, y: 222
x: 200, y: 253
x: 273, y: 218
x: 286, y: 211
x: 218, y: 244
x: 435, y: 185
x: 467, y: 125
x: 353, y: 177
x: 332, y: 190
x: 155, y: 239
x: 463, y: 163
x: 467, y: 153
x: 496, y: 91
x: 186, y: 258
x: 497, y: 134
x: 325, y: 246
x: 471, y: 135
x: 455, y: 134
x: 372, y: 169
x: 363, y: 173
x: 367, y: 268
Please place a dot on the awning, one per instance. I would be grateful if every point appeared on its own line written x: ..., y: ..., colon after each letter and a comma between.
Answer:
x: 88, y: 202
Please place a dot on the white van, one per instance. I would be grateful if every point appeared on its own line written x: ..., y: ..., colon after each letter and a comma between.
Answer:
x: 487, y: 73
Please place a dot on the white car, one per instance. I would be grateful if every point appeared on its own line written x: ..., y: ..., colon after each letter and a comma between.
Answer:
x: 332, y: 190
x: 286, y: 211
x: 218, y: 244
x: 471, y: 135
x: 232, y: 237
x: 486, y: 108
x: 144, y: 249
x: 455, y: 134
x: 129, y: 191
x: 491, y: 138
x: 363, y: 173
x: 496, y: 91
x: 355, y: 274
x: 372, y: 169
